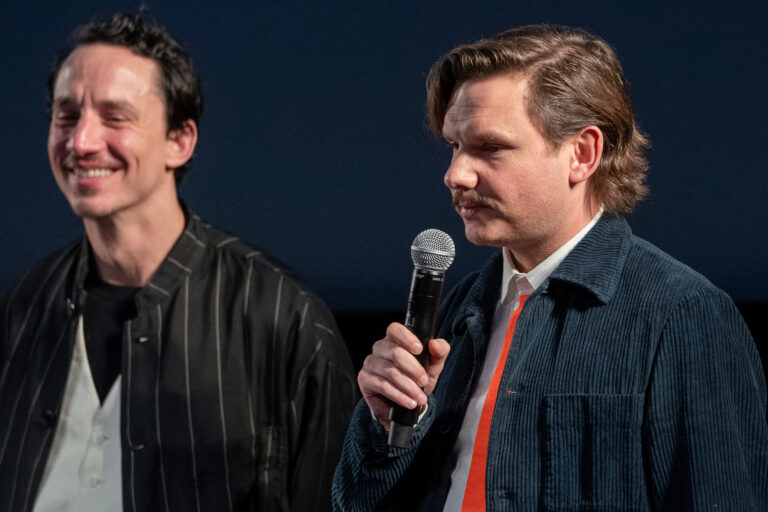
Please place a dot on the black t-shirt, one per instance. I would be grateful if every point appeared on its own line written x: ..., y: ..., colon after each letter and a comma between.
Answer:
x: 107, y: 308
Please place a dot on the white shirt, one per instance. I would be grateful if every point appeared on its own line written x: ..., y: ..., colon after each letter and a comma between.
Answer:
x: 513, y: 285
x: 83, y: 472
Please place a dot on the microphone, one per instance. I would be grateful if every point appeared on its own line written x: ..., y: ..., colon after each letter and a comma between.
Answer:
x: 432, y: 253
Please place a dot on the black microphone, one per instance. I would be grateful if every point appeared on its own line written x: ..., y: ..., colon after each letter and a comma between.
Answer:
x: 432, y: 253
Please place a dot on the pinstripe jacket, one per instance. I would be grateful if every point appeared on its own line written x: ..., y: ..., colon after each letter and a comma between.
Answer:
x: 236, y: 385
x: 632, y: 383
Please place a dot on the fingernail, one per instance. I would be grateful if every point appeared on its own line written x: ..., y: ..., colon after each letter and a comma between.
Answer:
x: 412, y: 403
x: 423, y: 381
x: 417, y: 347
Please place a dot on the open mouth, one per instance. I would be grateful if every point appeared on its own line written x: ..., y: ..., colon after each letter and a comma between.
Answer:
x: 92, y: 173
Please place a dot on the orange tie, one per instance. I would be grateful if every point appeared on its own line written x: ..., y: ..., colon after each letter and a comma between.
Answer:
x: 474, y: 495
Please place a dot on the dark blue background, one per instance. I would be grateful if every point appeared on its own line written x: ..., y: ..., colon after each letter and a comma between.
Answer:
x: 314, y: 145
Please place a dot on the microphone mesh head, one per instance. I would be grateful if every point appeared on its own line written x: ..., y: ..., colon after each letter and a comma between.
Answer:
x: 433, y: 250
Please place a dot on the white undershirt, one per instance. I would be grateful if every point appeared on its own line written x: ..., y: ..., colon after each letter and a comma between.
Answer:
x: 513, y: 285
x: 83, y: 471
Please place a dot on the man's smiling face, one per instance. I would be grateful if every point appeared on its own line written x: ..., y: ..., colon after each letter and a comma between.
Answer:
x: 108, y: 141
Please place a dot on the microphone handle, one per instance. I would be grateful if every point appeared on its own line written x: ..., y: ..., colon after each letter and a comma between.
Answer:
x: 423, y: 306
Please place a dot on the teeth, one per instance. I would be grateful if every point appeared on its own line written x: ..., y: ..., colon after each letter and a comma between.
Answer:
x: 92, y: 173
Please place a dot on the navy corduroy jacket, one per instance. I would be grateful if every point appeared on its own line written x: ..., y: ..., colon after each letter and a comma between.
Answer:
x: 632, y: 383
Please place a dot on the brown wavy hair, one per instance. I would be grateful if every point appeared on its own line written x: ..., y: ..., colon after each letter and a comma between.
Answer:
x: 575, y: 80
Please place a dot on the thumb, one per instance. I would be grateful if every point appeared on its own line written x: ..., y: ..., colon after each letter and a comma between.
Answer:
x: 438, y: 353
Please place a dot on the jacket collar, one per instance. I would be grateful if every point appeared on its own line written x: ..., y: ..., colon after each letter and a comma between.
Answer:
x: 185, y: 256
x: 594, y: 265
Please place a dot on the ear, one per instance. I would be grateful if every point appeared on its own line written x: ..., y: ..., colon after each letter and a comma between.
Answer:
x: 180, y: 145
x: 587, y: 151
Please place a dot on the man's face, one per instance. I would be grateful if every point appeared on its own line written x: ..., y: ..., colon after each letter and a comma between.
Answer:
x: 107, y: 142
x: 509, y: 186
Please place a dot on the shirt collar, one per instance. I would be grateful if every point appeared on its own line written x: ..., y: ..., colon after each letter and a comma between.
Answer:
x: 515, y: 283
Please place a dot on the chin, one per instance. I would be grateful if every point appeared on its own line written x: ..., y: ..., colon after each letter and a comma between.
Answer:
x: 90, y: 210
x: 483, y: 237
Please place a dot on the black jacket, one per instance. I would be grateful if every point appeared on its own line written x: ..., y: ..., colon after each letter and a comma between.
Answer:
x: 236, y: 386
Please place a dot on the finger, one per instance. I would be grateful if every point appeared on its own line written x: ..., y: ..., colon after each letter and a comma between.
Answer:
x: 373, y: 387
x: 438, y: 350
x: 401, y: 335
x: 438, y: 353
x: 386, y: 353
x: 404, y: 380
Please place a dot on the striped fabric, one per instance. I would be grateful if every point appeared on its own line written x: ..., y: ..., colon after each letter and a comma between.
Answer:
x: 236, y: 385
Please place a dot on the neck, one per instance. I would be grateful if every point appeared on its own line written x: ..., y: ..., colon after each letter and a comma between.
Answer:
x: 129, y: 248
x: 529, y: 257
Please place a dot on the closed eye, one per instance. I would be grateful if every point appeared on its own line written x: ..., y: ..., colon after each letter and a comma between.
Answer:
x: 117, y: 112
x: 66, y: 117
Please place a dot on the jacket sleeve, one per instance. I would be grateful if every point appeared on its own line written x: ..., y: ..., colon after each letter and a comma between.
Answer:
x: 705, y: 433
x: 369, y: 469
x: 323, y: 394
x: 369, y: 473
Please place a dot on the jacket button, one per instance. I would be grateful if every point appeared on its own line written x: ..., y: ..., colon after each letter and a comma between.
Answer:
x: 142, y: 339
x: 444, y: 427
x: 49, y: 418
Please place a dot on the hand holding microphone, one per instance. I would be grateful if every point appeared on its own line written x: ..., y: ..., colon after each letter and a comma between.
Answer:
x: 406, y: 361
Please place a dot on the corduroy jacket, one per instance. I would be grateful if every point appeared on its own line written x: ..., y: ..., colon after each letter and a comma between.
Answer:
x: 632, y: 383
x: 236, y: 387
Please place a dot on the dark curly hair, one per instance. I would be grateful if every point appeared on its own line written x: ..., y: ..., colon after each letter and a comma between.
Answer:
x: 179, y: 80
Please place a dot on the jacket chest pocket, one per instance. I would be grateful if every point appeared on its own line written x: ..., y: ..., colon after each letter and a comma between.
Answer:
x: 593, y: 453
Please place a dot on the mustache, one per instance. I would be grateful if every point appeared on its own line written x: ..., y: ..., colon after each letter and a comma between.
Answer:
x: 471, y: 196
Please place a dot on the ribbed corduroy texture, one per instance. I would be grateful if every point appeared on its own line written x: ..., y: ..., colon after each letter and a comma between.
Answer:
x: 474, y: 491
x: 632, y: 384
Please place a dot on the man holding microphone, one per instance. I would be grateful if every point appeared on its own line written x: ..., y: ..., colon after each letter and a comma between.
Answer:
x: 582, y: 368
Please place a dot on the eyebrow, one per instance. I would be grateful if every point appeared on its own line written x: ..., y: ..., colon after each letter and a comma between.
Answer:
x: 493, y: 135
x: 117, y: 105
x: 108, y: 105
x: 66, y: 102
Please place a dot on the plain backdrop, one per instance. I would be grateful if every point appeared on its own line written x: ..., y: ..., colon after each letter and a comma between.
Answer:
x: 313, y: 144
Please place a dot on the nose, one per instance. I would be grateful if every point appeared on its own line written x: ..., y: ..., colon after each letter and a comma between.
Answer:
x: 87, y: 136
x: 461, y: 173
